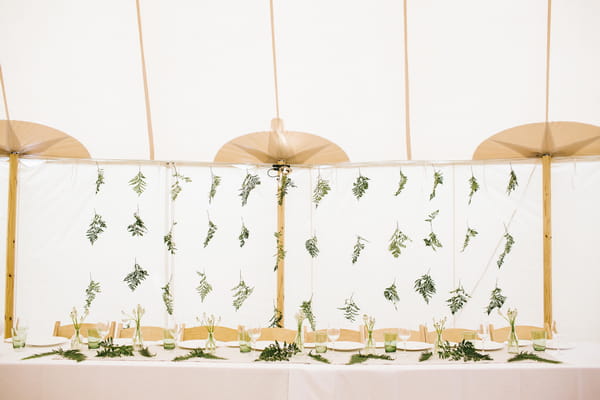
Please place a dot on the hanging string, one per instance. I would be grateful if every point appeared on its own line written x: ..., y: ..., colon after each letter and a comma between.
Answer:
x: 274, y: 53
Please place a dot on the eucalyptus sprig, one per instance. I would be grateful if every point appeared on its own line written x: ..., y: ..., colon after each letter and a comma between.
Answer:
x: 391, y: 294
x: 244, y: 235
x: 176, y: 187
x: 508, y: 244
x: 97, y: 226
x: 203, y: 288
x: 145, y: 352
x: 241, y: 292
x: 215, y: 182
x: 311, y: 246
x: 251, y: 181
x: 401, y: 183
x: 425, y: 286
x: 497, y: 300
x: 138, y: 183
x: 471, y: 233
x: 90, y: 294
x: 137, y: 228
x: 321, y: 189
x: 276, y: 318
x: 281, y: 252
x: 398, y: 242
x: 167, y: 297
x: 360, y: 186
x: 212, y: 228
x: 75, y: 355
x: 473, y: 186
x: 532, y: 356
x: 197, y: 353
x: 168, y: 240
x: 306, y: 308
x: 318, y: 357
x: 99, y: 178
x: 359, y: 246
x: 438, y: 179
x: 512, y: 182
x: 432, y: 240
x: 283, y: 188
x: 276, y: 352
x: 350, y: 309
x: 110, y: 350
x: 361, y: 358
x: 465, y: 350
x: 135, y: 277
x: 458, y: 299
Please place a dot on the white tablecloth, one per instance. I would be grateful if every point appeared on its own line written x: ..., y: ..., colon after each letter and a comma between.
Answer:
x: 240, y: 378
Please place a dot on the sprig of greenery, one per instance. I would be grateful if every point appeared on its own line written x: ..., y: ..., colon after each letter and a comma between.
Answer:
x: 167, y: 297
x: 432, y: 240
x: 111, y: 350
x: 458, y: 299
x: 306, y: 307
x: 276, y: 352
x: 359, y: 246
x: 90, y: 294
x: 99, y: 179
x: 524, y: 355
x: 438, y: 179
x: 312, y: 246
x: 137, y: 228
x: 401, y: 183
x: 474, y: 187
x: 244, y: 235
x: 321, y: 189
x: 168, y: 240
x: 241, y: 292
x: 198, y: 353
x: 176, y: 187
x: 138, y: 183
x: 510, y: 241
x: 145, y: 352
x: 465, y: 351
x: 350, y: 309
x: 135, y: 277
x: 361, y: 358
x: 360, y: 186
x: 497, y: 300
x: 75, y: 355
x: 281, y: 252
x: 426, y: 355
x: 203, y: 288
x: 471, y: 233
x: 276, y: 318
x: 97, y: 226
x: 425, y: 286
x: 398, y: 242
x: 318, y: 357
x: 512, y: 182
x: 215, y: 182
x: 391, y: 294
x: 212, y: 228
x: 283, y: 188
x: 250, y: 182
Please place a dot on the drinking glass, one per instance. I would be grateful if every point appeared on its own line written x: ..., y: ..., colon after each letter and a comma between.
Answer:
x: 484, y: 334
x: 538, y: 340
x: 389, y: 341
x: 404, y: 335
x: 254, y: 334
x: 321, y: 341
x: 244, y: 339
x: 171, y: 335
x: 93, y: 338
x: 19, y: 337
x: 103, y: 327
x: 333, y: 334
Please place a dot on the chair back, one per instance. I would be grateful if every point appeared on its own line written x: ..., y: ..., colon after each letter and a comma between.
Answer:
x: 415, y: 336
x: 279, y: 334
x: 68, y: 331
x: 454, y: 335
x: 154, y: 333
x: 523, y: 332
x: 222, y: 333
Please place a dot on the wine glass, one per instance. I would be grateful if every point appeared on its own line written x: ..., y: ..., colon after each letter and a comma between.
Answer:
x: 333, y: 334
x: 254, y: 333
x: 484, y: 334
x: 404, y: 335
x: 103, y: 326
x: 556, y: 336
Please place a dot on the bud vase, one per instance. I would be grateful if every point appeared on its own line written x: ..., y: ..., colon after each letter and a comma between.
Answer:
x: 370, y: 343
x: 137, y: 340
x: 211, y: 345
x: 76, y: 340
x: 299, y: 340
x: 513, y: 341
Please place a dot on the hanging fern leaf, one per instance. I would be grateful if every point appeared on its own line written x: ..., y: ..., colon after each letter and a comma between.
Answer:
x: 438, y: 179
x: 311, y: 246
x: 97, y: 226
x: 510, y: 241
x: 360, y: 186
x: 474, y: 186
x: 512, y: 182
x: 167, y: 298
x: 398, y: 242
x: 168, y: 239
x: 458, y: 299
x: 138, y: 183
x: 99, y: 179
x: 471, y: 233
x: 358, y: 248
x: 401, y: 184
x: 203, y: 288
x: 215, y: 182
x: 135, y: 278
x: 350, y: 309
x: 391, y: 294
x: 496, y: 300
x: 281, y: 252
x: 176, y: 186
x: 425, y: 286
x: 212, y: 228
x: 284, y: 187
x: 248, y: 185
x: 137, y: 228
x: 241, y: 293
x: 321, y: 189
x: 432, y: 216
x: 276, y: 318
x: 244, y: 235
x: 432, y: 240
x: 90, y: 294
x: 306, y: 307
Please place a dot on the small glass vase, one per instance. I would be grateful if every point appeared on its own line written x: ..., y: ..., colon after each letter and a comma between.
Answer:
x: 211, y: 345
x: 137, y: 341
x: 370, y: 343
x: 438, y: 344
x: 299, y: 340
x: 76, y: 340
x: 513, y: 341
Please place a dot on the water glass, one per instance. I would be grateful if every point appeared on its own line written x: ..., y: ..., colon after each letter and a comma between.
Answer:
x: 170, y: 336
x: 390, y: 341
x: 321, y: 341
x: 19, y: 338
x: 94, y: 338
x: 538, y: 339
x: 244, y: 340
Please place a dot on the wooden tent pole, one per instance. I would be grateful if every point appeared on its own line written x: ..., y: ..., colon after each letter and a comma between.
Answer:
x: 11, y: 231
x: 281, y: 172
x: 547, y: 215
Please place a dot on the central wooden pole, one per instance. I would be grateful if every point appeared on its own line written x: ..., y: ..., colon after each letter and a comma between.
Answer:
x: 11, y: 232
x: 547, y: 210
x: 281, y: 172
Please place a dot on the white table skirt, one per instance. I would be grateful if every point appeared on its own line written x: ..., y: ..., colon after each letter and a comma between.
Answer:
x: 47, y: 378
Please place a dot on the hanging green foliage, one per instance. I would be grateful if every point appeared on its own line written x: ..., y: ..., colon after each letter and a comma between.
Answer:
x: 360, y: 186
x: 471, y: 233
x: 244, y: 235
x: 306, y: 307
x: 176, y: 186
x: 248, y: 185
x: 137, y: 228
x: 402, y: 183
x: 135, y: 278
x: 458, y: 299
x: 168, y: 298
x: 276, y: 318
x: 496, y: 300
x: 212, y: 228
x: 391, y: 294
x: 438, y: 179
x: 283, y: 188
x: 350, y: 309
x: 432, y: 240
x: 215, y: 182
x: 138, y: 183
x: 359, y: 246
x: 474, y: 186
x: 398, y: 242
x: 90, y: 294
x: 168, y: 239
x: 281, y: 252
x: 311, y: 246
x: 512, y: 182
x: 425, y: 286
x: 99, y: 178
x: 321, y: 189
x: 97, y: 226
x: 203, y: 288
x: 241, y: 292
x: 510, y: 241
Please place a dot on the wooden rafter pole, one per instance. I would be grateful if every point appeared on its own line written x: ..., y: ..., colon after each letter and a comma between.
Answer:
x: 281, y: 172
x: 11, y: 232
x: 547, y: 226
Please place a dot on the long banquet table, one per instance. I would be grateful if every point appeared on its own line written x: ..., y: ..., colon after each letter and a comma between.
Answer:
x: 239, y: 377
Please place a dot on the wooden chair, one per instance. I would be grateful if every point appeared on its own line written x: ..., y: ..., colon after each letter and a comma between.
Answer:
x: 349, y: 335
x: 523, y: 332
x: 279, y: 334
x: 454, y: 335
x: 222, y: 333
x: 153, y: 333
x: 415, y: 336
x: 68, y: 331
